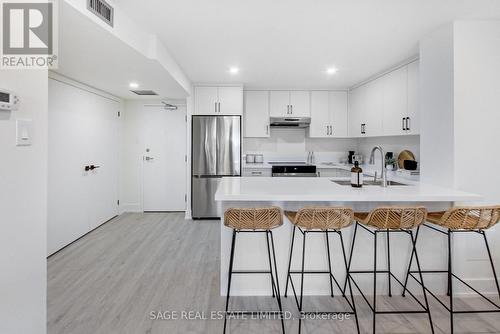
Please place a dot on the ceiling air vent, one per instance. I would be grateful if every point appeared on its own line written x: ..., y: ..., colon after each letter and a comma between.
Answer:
x: 102, y: 10
x: 143, y: 92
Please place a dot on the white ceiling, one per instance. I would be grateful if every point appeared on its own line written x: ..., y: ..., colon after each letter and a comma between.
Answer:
x: 93, y: 56
x: 291, y: 43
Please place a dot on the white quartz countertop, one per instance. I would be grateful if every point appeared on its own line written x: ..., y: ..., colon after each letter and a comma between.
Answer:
x: 319, y: 189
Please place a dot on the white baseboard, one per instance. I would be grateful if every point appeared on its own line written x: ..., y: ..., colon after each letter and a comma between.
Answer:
x: 130, y: 207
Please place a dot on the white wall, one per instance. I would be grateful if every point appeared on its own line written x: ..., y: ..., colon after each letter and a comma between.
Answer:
x: 460, y: 126
x: 436, y: 107
x: 477, y: 129
x: 23, y: 203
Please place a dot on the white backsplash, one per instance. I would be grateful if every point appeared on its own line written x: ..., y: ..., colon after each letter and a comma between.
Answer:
x: 293, y: 145
x: 394, y: 144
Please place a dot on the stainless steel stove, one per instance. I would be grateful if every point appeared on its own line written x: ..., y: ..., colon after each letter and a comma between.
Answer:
x: 293, y: 169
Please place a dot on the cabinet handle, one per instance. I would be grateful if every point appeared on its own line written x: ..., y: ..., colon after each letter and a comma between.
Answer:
x: 256, y: 173
x: 327, y: 130
x: 331, y: 130
x: 215, y: 107
x: 218, y: 104
x: 291, y: 109
x: 267, y: 129
x: 403, y: 124
x: 408, y: 123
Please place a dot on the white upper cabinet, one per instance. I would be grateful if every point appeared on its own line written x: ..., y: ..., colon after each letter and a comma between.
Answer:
x: 231, y: 100
x: 338, y: 113
x: 328, y: 114
x: 395, y: 89
x: 366, y: 110
x: 300, y: 104
x: 413, y: 119
x: 206, y: 99
x: 279, y: 103
x: 356, y: 100
x: 290, y: 103
x: 218, y: 100
x: 387, y: 106
x: 320, y: 115
x: 256, y: 114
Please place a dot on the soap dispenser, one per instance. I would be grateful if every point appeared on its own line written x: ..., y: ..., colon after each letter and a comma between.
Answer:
x: 356, y: 175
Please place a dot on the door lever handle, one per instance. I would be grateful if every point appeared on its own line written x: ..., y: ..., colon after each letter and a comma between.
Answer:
x: 87, y: 168
x: 92, y: 167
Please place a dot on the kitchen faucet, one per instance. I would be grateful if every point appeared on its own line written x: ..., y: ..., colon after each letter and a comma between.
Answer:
x: 372, y: 162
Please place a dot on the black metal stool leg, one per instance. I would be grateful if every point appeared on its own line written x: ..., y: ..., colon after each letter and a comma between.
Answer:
x: 450, y: 279
x: 350, y: 255
x: 414, y: 250
x: 389, y: 264
x: 374, y: 280
x: 353, y: 306
x: 290, y: 261
x: 231, y: 258
x: 329, y: 262
x: 302, y: 279
x: 278, y: 294
x: 491, y: 262
x: 270, y: 266
x: 409, y: 265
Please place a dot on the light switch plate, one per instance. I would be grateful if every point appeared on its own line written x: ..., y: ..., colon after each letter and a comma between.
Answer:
x: 24, y: 132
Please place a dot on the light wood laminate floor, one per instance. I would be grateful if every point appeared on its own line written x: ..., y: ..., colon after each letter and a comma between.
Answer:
x: 112, y: 279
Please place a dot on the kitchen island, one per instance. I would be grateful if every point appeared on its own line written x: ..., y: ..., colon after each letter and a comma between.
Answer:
x: 295, y: 193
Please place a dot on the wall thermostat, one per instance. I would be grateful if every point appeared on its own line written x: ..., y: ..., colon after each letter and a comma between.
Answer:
x: 8, y: 100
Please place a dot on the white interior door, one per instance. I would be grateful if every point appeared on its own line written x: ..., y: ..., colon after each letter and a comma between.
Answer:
x: 103, y: 144
x: 82, y: 132
x: 164, y: 160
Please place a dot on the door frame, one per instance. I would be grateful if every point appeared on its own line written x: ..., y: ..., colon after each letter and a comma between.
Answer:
x: 142, y: 186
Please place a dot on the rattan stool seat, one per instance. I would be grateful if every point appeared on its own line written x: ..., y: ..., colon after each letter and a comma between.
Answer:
x: 404, y: 218
x: 321, y: 218
x: 253, y: 218
x: 466, y: 217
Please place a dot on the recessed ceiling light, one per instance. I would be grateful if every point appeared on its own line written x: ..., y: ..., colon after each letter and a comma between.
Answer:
x: 234, y: 70
x: 133, y: 85
x: 331, y: 70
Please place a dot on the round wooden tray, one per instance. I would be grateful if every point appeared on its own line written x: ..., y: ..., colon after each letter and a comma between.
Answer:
x: 405, y: 155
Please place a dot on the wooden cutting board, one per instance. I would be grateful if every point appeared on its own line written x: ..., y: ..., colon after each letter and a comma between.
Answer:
x: 405, y: 155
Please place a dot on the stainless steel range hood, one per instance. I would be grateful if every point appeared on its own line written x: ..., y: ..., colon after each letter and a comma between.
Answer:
x: 290, y: 122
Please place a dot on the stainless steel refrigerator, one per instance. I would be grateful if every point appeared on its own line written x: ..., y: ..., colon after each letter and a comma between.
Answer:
x: 216, y: 153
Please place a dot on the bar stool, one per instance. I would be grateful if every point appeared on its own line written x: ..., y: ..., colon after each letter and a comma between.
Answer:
x: 461, y: 220
x: 319, y: 220
x: 255, y: 220
x: 388, y: 220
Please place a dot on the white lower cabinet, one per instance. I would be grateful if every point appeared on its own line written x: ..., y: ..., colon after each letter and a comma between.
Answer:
x: 257, y: 172
x: 333, y: 172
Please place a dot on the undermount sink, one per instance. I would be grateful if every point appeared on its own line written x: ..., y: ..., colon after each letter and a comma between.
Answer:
x: 368, y: 183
